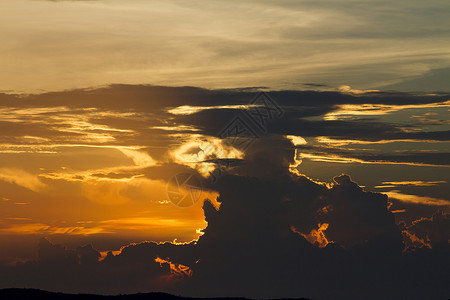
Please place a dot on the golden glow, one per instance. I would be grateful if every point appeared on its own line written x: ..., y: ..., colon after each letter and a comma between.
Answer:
x: 315, y: 236
x: 398, y: 211
x: 348, y: 89
x: 344, y: 160
x: 176, y: 128
x: 25, y: 226
x: 415, y: 241
x: 189, y: 110
x: 331, y: 158
x: 176, y: 269
x: 40, y: 228
x: 115, y: 192
x: 417, y: 199
x: 293, y: 167
x: 197, y: 150
x: 96, y: 162
x: 415, y: 183
x: 72, y: 126
x: 335, y: 142
x: 350, y: 110
x: 389, y: 184
x: 297, y: 141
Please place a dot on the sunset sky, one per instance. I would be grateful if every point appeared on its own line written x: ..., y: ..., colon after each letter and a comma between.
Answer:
x: 106, y: 106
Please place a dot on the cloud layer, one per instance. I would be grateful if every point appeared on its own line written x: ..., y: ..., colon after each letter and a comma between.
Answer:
x: 276, y: 234
x: 108, y: 154
x: 281, y: 45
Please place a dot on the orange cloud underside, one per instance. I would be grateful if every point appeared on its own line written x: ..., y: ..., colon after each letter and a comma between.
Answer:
x: 315, y: 236
x: 177, y: 270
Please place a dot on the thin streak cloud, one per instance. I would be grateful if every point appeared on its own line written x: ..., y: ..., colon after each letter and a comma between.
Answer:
x: 397, y: 195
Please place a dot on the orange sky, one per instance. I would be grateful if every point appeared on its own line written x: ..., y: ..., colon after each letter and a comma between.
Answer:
x: 93, y: 161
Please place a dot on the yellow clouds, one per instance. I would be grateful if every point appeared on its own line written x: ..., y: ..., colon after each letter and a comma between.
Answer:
x: 388, y: 184
x: 348, y: 89
x: 189, y: 110
x: 344, y: 142
x: 31, y: 114
x: 197, y: 151
x: 176, y: 128
x: 61, y: 125
x: 350, y: 110
x: 315, y: 236
x: 334, y: 158
x: 140, y: 159
x: 414, y: 199
x: 330, y: 158
x: 297, y: 141
x: 176, y: 270
x: 21, y: 178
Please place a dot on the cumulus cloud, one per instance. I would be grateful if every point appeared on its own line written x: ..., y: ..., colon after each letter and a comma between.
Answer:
x: 276, y: 234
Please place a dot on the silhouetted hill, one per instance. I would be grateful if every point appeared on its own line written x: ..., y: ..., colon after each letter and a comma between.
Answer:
x: 12, y: 294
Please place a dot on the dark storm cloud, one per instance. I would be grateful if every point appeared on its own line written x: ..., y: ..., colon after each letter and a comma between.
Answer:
x: 61, y: 269
x: 267, y: 241
x: 431, y: 232
x: 276, y: 234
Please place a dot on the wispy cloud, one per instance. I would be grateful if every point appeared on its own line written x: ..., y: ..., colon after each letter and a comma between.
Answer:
x: 367, y: 45
x: 397, y: 195
x: 351, y: 110
x: 21, y: 178
x: 409, y: 183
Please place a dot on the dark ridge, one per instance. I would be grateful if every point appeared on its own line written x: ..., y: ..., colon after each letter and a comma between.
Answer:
x: 12, y: 294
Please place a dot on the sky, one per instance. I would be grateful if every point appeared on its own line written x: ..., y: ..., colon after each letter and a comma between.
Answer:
x: 58, y: 45
x: 213, y: 149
